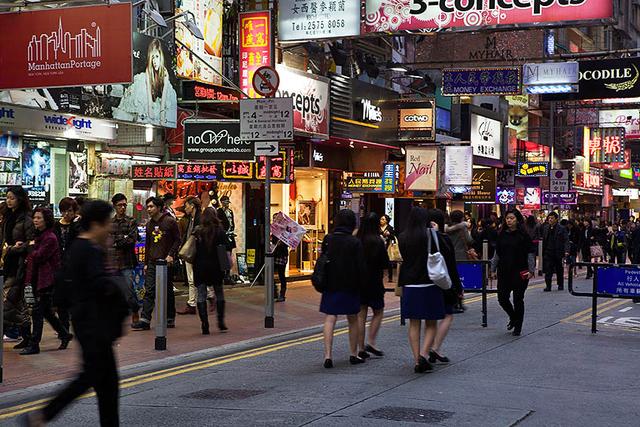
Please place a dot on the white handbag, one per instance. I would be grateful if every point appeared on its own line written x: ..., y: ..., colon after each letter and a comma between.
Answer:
x: 436, y: 266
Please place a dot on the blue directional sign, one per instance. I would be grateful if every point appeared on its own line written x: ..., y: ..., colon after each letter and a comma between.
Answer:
x: 471, y: 275
x: 619, y: 281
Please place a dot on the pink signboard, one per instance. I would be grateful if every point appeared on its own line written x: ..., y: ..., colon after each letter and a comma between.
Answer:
x: 396, y: 15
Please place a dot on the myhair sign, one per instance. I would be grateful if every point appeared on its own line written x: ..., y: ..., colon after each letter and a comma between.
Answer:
x: 398, y: 15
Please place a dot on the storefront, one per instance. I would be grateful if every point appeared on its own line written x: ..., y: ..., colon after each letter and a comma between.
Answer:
x: 50, y: 154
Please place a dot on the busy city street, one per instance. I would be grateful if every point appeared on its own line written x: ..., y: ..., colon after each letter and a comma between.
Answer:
x: 556, y: 373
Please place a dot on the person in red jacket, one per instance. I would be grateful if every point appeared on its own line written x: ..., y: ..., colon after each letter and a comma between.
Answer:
x: 42, y: 263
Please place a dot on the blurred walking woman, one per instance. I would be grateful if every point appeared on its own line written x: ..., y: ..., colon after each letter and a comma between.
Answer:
x: 515, y: 264
x: 207, y: 270
x: 344, y: 285
x: 18, y: 231
x: 421, y: 298
x: 42, y: 263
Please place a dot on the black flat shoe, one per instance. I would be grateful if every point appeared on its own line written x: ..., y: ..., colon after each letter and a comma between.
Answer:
x: 328, y: 363
x: 21, y: 345
x: 510, y: 325
x: 517, y: 331
x: 364, y: 355
x: 373, y: 351
x: 64, y: 342
x: 546, y: 290
x: 32, y: 349
x: 434, y: 356
x: 422, y: 366
x: 354, y: 360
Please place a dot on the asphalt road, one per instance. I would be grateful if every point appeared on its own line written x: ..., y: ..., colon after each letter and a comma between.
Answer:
x: 556, y: 374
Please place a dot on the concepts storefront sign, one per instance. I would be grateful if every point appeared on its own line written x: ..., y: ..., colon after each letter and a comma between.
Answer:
x: 486, y: 137
x: 208, y: 19
x: 72, y: 46
x: 607, y: 78
x: 481, y: 81
x: 310, y: 95
x: 312, y: 20
x: 215, y: 140
x: 628, y: 119
x: 255, y: 47
x: 421, y: 169
x: 397, y: 15
x: 483, y: 186
x: 47, y: 123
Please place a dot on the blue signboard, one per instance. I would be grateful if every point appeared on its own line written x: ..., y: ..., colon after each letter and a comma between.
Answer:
x: 619, y: 281
x: 471, y: 275
x: 481, y: 81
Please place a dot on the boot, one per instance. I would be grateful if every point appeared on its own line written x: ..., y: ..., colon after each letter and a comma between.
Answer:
x: 25, y: 333
x: 204, y: 317
x: 220, y: 308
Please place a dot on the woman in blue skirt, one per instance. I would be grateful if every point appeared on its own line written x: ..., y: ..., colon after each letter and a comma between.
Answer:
x: 421, y: 298
x: 346, y: 270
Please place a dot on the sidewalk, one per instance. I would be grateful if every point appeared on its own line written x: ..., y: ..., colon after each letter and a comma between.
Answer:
x: 245, y: 319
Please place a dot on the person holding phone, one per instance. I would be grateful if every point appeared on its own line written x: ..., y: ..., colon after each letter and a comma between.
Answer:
x: 514, y: 262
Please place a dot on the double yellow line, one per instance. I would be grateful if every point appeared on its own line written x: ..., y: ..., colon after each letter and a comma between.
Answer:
x: 585, y: 315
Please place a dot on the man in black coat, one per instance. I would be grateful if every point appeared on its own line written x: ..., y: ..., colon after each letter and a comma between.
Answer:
x: 555, y: 247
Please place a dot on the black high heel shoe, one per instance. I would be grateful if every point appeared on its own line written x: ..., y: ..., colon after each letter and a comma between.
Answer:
x: 436, y: 357
x: 422, y: 366
x: 328, y: 363
x: 373, y: 351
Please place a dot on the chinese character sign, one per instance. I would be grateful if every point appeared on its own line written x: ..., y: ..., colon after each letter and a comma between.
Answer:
x: 255, y: 47
x: 153, y: 172
x: 605, y: 145
x: 316, y: 19
x: 619, y: 281
x: 590, y: 182
x: 479, y: 81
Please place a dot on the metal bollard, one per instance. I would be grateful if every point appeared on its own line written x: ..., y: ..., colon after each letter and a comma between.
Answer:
x: 1, y: 322
x: 269, y: 308
x: 540, y: 258
x: 161, y: 305
x: 485, y: 250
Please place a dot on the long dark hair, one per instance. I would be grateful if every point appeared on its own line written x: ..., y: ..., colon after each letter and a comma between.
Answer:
x: 24, y: 205
x: 437, y: 216
x: 345, y: 220
x: 417, y: 227
x: 210, y: 226
x: 197, y: 205
x: 369, y: 233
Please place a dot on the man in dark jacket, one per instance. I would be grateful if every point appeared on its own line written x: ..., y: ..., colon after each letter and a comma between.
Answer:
x: 555, y: 247
x: 125, y: 236
x: 162, y: 242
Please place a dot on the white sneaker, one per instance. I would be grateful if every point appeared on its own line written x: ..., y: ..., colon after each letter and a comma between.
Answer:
x: 9, y: 339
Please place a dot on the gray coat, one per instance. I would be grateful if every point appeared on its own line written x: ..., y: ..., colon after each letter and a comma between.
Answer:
x: 461, y: 239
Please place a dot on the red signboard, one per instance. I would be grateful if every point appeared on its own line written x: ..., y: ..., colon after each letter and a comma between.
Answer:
x: 606, y: 145
x: 255, y: 47
x: 397, y: 15
x: 153, y: 172
x: 589, y: 182
x: 73, y: 46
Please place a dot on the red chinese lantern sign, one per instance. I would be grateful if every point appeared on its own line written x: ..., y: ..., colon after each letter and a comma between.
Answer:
x: 255, y: 47
x: 605, y: 145
x: 153, y: 172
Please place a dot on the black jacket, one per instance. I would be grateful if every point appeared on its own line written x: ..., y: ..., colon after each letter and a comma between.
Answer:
x: 347, y: 269
x: 413, y: 270
x: 451, y: 296
x: 514, y: 254
x: 555, y: 242
x: 206, y: 265
x: 376, y: 261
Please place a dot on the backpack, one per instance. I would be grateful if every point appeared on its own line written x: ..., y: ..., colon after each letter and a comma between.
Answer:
x: 320, y: 276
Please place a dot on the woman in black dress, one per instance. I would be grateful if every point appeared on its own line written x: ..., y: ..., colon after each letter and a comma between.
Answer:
x: 514, y: 261
x: 346, y: 272
x: 376, y: 260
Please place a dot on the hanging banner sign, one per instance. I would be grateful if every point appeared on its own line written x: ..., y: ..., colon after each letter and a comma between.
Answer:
x: 481, y: 81
x: 505, y: 177
x: 550, y: 73
x: 371, y: 182
x: 591, y: 182
x: 628, y: 119
x: 398, y: 15
x: 313, y: 20
x: 198, y: 171
x: 530, y: 197
x: 458, y: 166
x: 560, y: 198
x: 605, y: 145
x: 192, y: 91
x: 486, y: 137
x: 71, y: 46
x: 421, y: 169
x: 215, y: 140
x: 483, y: 186
x: 255, y: 47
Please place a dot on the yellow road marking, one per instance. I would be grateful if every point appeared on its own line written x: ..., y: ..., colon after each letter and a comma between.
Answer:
x: 588, y: 310
x: 616, y: 303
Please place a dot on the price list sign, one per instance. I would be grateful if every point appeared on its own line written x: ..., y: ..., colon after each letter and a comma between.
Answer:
x: 266, y: 119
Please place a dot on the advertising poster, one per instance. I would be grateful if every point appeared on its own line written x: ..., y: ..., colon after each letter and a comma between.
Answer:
x: 255, y: 47
x: 152, y: 96
x: 10, y: 146
x: 458, y: 168
x: 506, y: 195
x: 519, y: 115
x: 78, y: 178
x: 208, y: 19
x: 312, y: 20
x: 530, y: 197
x: 398, y: 15
x: 421, y: 169
x: 72, y: 46
x: 287, y: 230
x: 310, y: 95
x: 628, y: 119
x: 306, y: 213
x: 36, y: 170
x: 486, y: 137
x: 10, y: 172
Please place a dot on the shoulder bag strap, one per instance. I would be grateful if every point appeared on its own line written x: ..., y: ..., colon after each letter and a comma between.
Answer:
x: 435, y: 237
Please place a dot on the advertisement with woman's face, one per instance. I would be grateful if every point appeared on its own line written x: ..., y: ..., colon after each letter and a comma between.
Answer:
x: 152, y: 96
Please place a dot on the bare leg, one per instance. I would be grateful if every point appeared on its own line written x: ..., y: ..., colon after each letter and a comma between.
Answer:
x: 414, y: 337
x: 329, y: 325
x: 443, y: 330
x: 374, y: 328
x: 354, y: 334
x: 362, y: 325
x: 431, y: 327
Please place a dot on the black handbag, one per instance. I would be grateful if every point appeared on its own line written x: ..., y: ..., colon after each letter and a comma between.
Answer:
x: 320, y: 276
x: 223, y: 258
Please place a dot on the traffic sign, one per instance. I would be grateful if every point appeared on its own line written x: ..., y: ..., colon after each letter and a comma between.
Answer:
x: 266, y: 119
x: 266, y: 148
x: 265, y: 81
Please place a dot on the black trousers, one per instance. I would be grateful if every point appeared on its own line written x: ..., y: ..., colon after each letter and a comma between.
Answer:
x: 281, y: 270
x: 586, y: 257
x: 43, y: 310
x: 515, y: 311
x: 149, y: 301
x: 558, y: 269
x: 100, y: 372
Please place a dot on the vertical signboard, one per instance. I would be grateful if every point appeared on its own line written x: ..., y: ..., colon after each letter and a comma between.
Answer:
x: 255, y: 47
x: 421, y: 169
x: 486, y: 137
